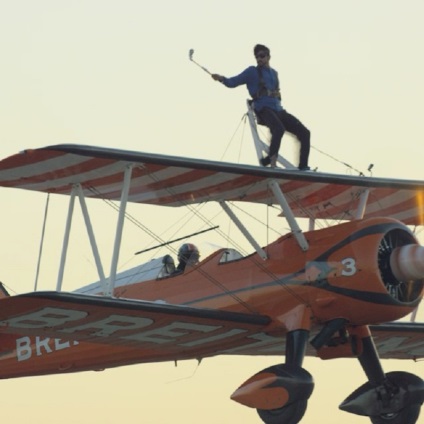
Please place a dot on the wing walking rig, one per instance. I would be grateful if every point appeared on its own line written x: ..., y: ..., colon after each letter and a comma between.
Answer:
x: 333, y: 292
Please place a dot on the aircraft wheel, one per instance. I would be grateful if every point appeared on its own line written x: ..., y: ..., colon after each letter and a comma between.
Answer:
x: 408, y: 415
x: 290, y: 414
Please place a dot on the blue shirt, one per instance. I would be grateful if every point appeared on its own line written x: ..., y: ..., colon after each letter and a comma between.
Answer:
x: 250, y: 77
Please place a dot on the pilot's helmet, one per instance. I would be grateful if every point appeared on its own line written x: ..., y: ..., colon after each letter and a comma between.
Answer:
x: 188, y: 252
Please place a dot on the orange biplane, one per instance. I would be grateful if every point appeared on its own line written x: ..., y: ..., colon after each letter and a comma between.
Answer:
x: 332, y: 292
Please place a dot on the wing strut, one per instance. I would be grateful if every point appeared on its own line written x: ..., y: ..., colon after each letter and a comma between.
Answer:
x: 119, y: 229
x: 260, y: 146
x: 243, y: 229
x: 107, y: 284
x: 363, y: 200
x: 91, y: 237
x: 66, y: 239
x: 77, y: 190
x: 288, y: 213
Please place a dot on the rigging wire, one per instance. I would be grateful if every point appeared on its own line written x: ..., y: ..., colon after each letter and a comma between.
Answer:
x: 242, y: 121
x: 242, y: 136
x: 254, y: 218
x: 160, y: 240
x: 266, y: 133
x: 208, y: 223
x: 360, y: 173
x: 257, y: 263
x: 136, y: 222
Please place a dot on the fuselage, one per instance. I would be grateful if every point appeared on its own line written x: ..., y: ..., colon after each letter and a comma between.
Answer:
x: 340, y: 275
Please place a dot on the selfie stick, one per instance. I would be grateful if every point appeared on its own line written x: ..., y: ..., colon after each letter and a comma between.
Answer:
x: 190, y: 55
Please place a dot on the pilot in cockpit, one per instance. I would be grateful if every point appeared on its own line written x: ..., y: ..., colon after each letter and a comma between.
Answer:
x: 188, y: 254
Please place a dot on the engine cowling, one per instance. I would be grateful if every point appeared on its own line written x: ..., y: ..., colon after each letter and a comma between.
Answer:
x: 372, y: 271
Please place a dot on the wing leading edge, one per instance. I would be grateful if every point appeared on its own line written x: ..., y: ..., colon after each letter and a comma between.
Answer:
x: 173, y: 181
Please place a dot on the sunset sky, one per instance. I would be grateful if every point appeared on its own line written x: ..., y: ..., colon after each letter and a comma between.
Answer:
x: 117, y: 74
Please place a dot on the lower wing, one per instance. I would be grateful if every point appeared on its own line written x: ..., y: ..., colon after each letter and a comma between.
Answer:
x: 51, y: 332
x: 48, y: 332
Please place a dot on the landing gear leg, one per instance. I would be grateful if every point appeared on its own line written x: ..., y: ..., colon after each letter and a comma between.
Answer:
x: 296, y: 342
x: 392, y: 398
x: 294, y: 379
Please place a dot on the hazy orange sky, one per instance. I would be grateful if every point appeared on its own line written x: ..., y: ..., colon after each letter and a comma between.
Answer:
x: 117, y: 74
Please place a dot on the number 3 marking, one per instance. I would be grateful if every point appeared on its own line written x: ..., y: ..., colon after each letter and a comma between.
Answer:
x: 349, y: 267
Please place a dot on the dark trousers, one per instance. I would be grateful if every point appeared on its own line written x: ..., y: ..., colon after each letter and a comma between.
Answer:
x: 280, y: 121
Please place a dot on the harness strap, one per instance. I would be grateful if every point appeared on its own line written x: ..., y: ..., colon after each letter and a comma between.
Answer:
x: 263, y: 90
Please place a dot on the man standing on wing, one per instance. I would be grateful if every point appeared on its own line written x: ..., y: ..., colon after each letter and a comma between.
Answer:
x: 263, y: 85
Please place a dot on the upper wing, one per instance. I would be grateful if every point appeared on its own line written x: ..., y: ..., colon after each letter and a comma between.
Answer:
x: 173, y: 181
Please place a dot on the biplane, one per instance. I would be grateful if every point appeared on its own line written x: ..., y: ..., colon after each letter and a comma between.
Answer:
x: 332, y: 292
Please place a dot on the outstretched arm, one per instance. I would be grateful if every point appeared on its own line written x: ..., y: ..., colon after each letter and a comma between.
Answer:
x: 246, y: 77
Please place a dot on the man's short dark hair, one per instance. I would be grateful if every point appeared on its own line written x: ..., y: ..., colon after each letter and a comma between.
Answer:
x: 260, y: 48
